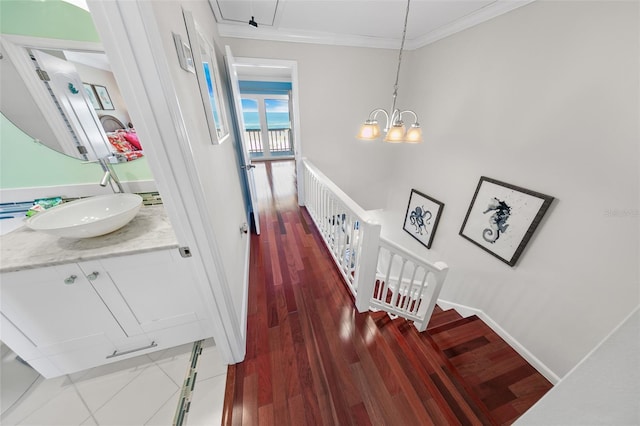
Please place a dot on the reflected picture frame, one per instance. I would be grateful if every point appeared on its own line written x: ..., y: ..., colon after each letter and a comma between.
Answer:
x: 209, y: 81
x: 422, y: 217
x: 91, y: 94
x: 103, y: 96
x: 502, y: 218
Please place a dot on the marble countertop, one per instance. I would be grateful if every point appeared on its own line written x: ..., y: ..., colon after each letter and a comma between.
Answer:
x: 27, y: 249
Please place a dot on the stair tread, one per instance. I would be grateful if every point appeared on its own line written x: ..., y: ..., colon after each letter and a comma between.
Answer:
x: 490, y: 369
x: 441, y: 317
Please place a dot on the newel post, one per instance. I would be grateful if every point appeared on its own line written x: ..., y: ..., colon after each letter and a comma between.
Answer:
x: 430, y: 297
x: 365, y: 278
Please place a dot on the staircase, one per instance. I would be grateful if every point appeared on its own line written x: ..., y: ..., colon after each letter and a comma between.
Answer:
x: 497, y: 382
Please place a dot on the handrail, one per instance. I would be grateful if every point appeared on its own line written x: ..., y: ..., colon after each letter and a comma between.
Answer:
x: 349, y: 203
x: 357, y: 248
x: 409, y: 255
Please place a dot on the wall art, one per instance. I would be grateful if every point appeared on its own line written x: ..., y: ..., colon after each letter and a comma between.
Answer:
x: 423, y: 215
x: 88, y: 88
x: 502, y: 218
x: 209, y: 81
x: 104, y: 97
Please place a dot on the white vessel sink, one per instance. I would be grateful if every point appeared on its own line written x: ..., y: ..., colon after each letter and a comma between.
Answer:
x: 87, y: 217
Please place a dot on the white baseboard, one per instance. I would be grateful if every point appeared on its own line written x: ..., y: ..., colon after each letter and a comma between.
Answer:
x: 467, y: 311
x: 11, y: 195
x: 245, y: 293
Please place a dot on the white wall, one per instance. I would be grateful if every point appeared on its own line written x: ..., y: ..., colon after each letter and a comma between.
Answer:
x: 338, y: 87
x: 216, y: 165
x: 544, y: 97
x: 604, y: 389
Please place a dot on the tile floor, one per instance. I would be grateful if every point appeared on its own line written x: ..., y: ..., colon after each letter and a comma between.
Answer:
x: 138, y: 391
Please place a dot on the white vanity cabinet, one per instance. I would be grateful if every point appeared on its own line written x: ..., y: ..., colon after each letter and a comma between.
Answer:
x: 70, y: 317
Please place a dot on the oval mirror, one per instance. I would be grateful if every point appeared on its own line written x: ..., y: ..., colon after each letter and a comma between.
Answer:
x: 63, y: 94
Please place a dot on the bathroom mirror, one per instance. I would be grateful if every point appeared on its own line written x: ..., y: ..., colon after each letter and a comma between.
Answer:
x: 63, y: 94
x: 208, y: 74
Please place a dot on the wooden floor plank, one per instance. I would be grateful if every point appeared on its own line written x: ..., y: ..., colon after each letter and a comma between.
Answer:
x: 311, y: 358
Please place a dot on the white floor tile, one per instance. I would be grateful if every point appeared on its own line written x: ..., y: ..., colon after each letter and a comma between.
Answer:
x: 89, y: 422
x: 65, y: 409
x: 164, y: 416
x: 175, y: 362
x: 99, y: 385
x: 207, y: 402
x: 210, y: 363
x: 15, y: 379
x: 38, y: 395
x: 139, y: 400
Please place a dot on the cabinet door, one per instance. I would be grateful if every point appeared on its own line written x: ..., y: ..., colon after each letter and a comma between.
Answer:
x: 57, y: 309
x: 156, y: 290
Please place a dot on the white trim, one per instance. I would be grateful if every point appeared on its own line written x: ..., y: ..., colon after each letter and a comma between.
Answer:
x: 301, y: 36
x: 495, y: 9
x: 134, y: 43
x: 54, y: 43
x: 245, y: 293
x: 467, y: 311
x: 13, y: 195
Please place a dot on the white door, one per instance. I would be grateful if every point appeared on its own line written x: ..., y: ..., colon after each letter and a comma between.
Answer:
x: 248, y: 167
x: 67, y: 87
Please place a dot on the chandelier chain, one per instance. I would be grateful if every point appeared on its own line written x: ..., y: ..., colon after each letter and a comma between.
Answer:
x: 404, y: 36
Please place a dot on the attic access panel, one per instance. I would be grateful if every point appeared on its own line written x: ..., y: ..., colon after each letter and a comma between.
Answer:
x: 263, y: 11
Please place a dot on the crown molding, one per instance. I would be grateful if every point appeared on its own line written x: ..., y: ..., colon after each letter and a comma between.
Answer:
x: 497, y: 8
x: 301, y: 36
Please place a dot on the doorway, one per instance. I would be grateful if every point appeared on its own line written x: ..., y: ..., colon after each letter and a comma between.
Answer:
x: 267, y: 129
x: 265, y: 95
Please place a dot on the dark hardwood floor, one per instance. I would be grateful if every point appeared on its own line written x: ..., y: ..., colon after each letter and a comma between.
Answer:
x: 313, y: 359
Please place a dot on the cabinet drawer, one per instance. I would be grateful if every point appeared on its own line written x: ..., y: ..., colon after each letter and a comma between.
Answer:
x: 106, y: 352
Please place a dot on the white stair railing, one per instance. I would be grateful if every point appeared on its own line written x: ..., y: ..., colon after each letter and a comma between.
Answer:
x: 380, y: 274
x: 406, y: 285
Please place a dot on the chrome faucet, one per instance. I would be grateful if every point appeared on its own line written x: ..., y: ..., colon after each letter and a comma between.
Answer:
x: 105, y: 178
x: 110, y: 176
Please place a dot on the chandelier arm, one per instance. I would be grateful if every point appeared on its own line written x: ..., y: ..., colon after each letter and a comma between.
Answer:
x: 373, y: 114
x: 415, y: 116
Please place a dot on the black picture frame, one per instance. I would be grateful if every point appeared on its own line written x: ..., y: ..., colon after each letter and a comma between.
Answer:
x: 502, y: 218
x: 422, y: 217
x: 103, y: 96
x: 91, y: 94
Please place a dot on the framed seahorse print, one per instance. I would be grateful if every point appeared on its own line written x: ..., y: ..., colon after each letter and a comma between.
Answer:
x: 423, y: 215
x: 502, y: 218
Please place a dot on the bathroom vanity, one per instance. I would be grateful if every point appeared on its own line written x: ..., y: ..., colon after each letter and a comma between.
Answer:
x: 67, y: 305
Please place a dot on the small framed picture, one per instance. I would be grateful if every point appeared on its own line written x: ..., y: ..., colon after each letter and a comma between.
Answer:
x: 423, y: 215
x: 502, y: 218
x: 91, y: 94
x: 103, y: 96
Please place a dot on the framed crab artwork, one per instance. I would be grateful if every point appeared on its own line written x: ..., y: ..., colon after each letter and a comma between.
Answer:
x: 423, y: 215
x: 502, y: 218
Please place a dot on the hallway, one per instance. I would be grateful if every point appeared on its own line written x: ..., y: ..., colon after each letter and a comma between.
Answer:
x: 313, y: 359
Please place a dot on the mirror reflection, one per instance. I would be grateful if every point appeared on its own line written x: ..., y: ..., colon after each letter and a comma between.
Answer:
x: 67, y: 99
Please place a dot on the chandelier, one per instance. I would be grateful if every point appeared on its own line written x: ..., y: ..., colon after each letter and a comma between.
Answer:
x: 394, y: 127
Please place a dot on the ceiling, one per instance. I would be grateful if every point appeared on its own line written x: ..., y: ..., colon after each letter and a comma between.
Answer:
x: 365, y: 23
